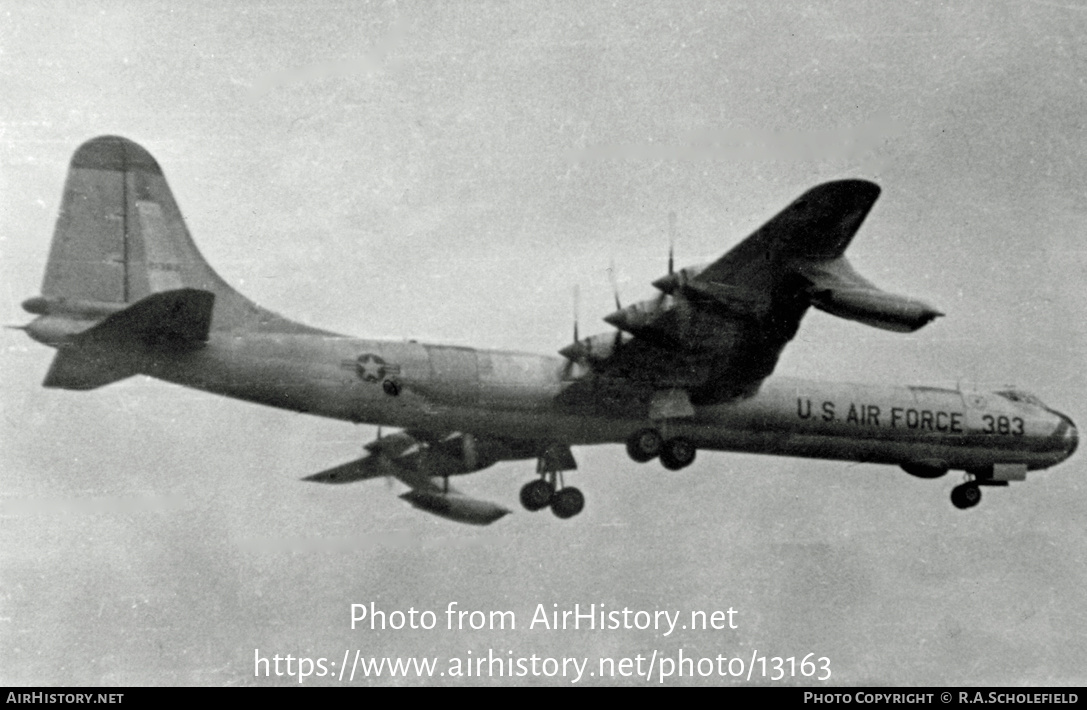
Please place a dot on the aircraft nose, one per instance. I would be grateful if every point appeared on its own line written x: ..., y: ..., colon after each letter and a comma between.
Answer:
x: 1068, y: 434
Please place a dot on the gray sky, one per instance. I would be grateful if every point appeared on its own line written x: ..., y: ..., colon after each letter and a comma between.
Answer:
x: 448, y: 173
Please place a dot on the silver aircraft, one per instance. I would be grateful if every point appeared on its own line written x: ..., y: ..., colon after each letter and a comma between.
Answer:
x: 126, y: 292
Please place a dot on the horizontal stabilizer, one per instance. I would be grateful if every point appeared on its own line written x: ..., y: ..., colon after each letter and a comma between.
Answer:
x: 87, y: 368
x: 111, y: 349
x: 170, y: 318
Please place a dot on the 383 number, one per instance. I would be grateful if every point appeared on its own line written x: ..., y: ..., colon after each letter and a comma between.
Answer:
x: 1003, y: 425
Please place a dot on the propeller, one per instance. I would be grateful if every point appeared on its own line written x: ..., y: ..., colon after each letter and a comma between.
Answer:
x: 614, y: 285
x: 618, y: 306
x: 671, y: 242
x: 669, y: 281
x: 683, y: 314
x: 577, y: 309
x: 576, y: 350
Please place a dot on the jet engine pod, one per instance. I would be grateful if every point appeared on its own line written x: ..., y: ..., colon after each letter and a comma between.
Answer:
x: 876, y: 308
x: 455, y: 506
x: 929, y: 468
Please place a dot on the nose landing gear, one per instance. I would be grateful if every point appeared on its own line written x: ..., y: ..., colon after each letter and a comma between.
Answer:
x: 966, y: 495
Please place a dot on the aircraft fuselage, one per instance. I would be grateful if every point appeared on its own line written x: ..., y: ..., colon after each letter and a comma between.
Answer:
x: 517, y: 395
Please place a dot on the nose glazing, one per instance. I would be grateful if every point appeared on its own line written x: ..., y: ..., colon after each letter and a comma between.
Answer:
x: 1068, y: 434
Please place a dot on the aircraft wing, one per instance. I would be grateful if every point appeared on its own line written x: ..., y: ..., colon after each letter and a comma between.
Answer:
x: 716, y: 331
x: 423, y: 461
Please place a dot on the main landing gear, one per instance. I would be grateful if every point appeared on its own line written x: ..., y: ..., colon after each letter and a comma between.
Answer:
x: 647, y: 444
x: 565, y: 502
x: 549, y: 490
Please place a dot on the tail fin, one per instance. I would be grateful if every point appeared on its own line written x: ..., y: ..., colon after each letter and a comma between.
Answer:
x: 120, y: 238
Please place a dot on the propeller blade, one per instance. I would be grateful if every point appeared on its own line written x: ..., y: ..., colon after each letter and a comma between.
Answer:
x: 577, y: 308
x: 671, y: 241
x: 614, y: 285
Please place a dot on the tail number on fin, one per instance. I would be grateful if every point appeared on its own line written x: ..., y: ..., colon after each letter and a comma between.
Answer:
x: 163, y: 266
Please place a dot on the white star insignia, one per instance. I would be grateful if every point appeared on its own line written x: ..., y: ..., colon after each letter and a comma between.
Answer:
x: 371, y: 368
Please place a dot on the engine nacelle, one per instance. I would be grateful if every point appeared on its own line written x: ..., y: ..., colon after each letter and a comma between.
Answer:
x: 456, y: 506
x: 876, y: 308
x: 835, y: 287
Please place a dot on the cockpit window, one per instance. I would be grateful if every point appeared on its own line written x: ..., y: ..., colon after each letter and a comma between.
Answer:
x: 1021, y: 396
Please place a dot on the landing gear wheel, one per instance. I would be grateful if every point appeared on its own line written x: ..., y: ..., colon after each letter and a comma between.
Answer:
x: 677, y: 453
x: 536, y: 495
x: 567, y: 503
x: 966, y: 495
x: 644, y: 445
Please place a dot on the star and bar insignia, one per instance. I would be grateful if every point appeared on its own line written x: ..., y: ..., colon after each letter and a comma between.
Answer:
x: 370, y: 367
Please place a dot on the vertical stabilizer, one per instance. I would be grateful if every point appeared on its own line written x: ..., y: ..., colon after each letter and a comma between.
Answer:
x: 120, y: 237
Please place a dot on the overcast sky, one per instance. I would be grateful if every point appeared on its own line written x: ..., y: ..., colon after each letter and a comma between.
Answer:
x: 449, y: 173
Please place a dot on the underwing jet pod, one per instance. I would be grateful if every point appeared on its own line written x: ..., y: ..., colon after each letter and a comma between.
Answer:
x: 126, y: 292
